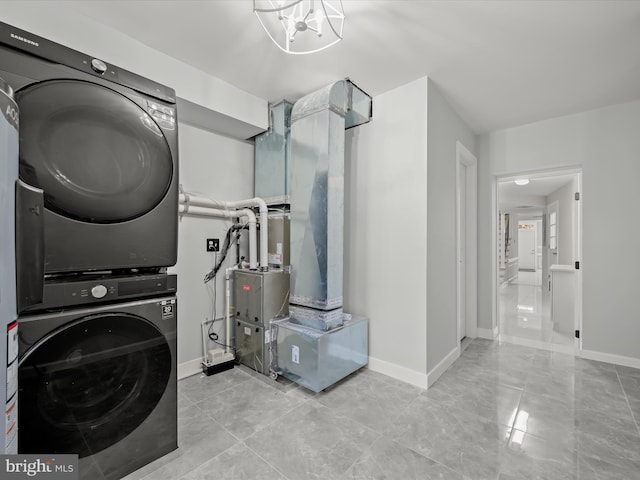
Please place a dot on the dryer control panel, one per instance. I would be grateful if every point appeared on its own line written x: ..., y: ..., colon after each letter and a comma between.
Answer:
x: 24, y: 41
x: 92, y: 289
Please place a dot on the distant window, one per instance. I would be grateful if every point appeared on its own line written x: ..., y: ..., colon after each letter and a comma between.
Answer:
x: 553, y: 238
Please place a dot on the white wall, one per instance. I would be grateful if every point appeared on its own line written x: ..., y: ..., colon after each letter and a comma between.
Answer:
x: 605, y: 142
x: 386, y: 230
x: 221, y: 168
x: 445, y: 127
x: 400, y: 253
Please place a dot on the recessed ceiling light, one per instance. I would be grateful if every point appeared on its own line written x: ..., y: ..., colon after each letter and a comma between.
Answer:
x: 522, y: 181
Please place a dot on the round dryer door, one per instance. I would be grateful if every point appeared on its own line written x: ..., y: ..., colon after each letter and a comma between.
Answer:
x: 98, y: 156
x: 91, y: 383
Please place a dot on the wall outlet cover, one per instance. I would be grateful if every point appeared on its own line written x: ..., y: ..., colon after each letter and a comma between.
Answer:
x: 213, y: 244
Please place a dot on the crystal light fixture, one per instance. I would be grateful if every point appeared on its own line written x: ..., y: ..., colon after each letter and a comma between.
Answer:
x: 301, y: 26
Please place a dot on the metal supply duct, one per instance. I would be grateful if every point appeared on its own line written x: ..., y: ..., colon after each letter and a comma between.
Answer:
x: 273, y: 149
x: 318, y: 123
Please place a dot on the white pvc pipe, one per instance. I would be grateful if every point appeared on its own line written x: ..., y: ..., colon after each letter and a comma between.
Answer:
x: 197, y: 200
x: 227, y: 302
x: 204, y: 340
x: 245, y: 212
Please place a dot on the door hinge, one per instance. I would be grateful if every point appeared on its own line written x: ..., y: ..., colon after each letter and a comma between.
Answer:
x: 577, y: 333
x: 577, y: 196
x: 577, y: 265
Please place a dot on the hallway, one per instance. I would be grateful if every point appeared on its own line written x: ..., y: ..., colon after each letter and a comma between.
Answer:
x: 525, y: 316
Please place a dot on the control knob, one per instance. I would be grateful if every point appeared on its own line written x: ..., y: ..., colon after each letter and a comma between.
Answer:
x: 98, y: 66
x: 98, y: 291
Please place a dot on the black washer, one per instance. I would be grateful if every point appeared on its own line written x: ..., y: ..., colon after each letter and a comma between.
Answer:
x: 100, y: 382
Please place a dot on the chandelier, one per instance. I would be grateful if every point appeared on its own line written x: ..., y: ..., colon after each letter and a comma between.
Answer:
x: 301, y: 26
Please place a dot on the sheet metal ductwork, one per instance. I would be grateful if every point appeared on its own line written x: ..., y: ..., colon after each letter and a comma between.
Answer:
x: 318, y: 123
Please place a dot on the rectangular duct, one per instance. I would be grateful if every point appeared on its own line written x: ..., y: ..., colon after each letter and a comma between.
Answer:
x: 318, y: 123
x: 272, y: 175
x: 300, y: 167
x: 317, y: 209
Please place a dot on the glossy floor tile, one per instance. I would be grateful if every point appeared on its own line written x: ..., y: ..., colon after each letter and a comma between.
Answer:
x: 500, y: 412
x: 524, y: 314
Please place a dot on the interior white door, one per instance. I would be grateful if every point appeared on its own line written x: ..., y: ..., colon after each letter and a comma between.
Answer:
x: 527, y: 248
x: 467, y: 242
x: 462, y: 251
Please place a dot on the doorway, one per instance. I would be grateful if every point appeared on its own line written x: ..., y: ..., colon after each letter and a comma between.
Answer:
x: 528, y: 248
x: 538, y: 293
x: 466, y: 242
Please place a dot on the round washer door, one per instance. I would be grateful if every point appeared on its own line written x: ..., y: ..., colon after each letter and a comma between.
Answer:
x: 90, y: 384
x: 97, y: 155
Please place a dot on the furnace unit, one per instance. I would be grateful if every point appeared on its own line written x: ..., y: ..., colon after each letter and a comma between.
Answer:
x: 258, y: 298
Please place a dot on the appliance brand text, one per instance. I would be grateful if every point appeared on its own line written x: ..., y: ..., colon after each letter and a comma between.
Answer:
x: 25, y: 40
x: 12, y: 113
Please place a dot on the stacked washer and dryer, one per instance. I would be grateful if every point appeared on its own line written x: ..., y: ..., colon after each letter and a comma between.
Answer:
x: 96, y: 228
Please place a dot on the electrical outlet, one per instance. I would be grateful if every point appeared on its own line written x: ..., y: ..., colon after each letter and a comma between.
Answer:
x: 213, y: 244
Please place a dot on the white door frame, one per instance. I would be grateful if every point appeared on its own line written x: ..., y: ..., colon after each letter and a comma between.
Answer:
x: 577, y: 248
x: 577, y: 245
x: 466, y: 159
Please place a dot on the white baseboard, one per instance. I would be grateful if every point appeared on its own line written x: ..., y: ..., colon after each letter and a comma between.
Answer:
x: 398, y: 372
x: 189, y: 368
x: 611, y: 358
x: 442, y: 366
x: 487, y: 333
x: 539, y: 344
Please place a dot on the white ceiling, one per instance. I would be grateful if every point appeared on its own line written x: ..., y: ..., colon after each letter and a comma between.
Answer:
x: 537, y: 186
x: 499, y: 63
x: 531, y: 197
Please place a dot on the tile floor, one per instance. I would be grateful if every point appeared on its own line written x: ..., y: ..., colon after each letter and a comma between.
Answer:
x: 501, y: 412
x: 525, y: 315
